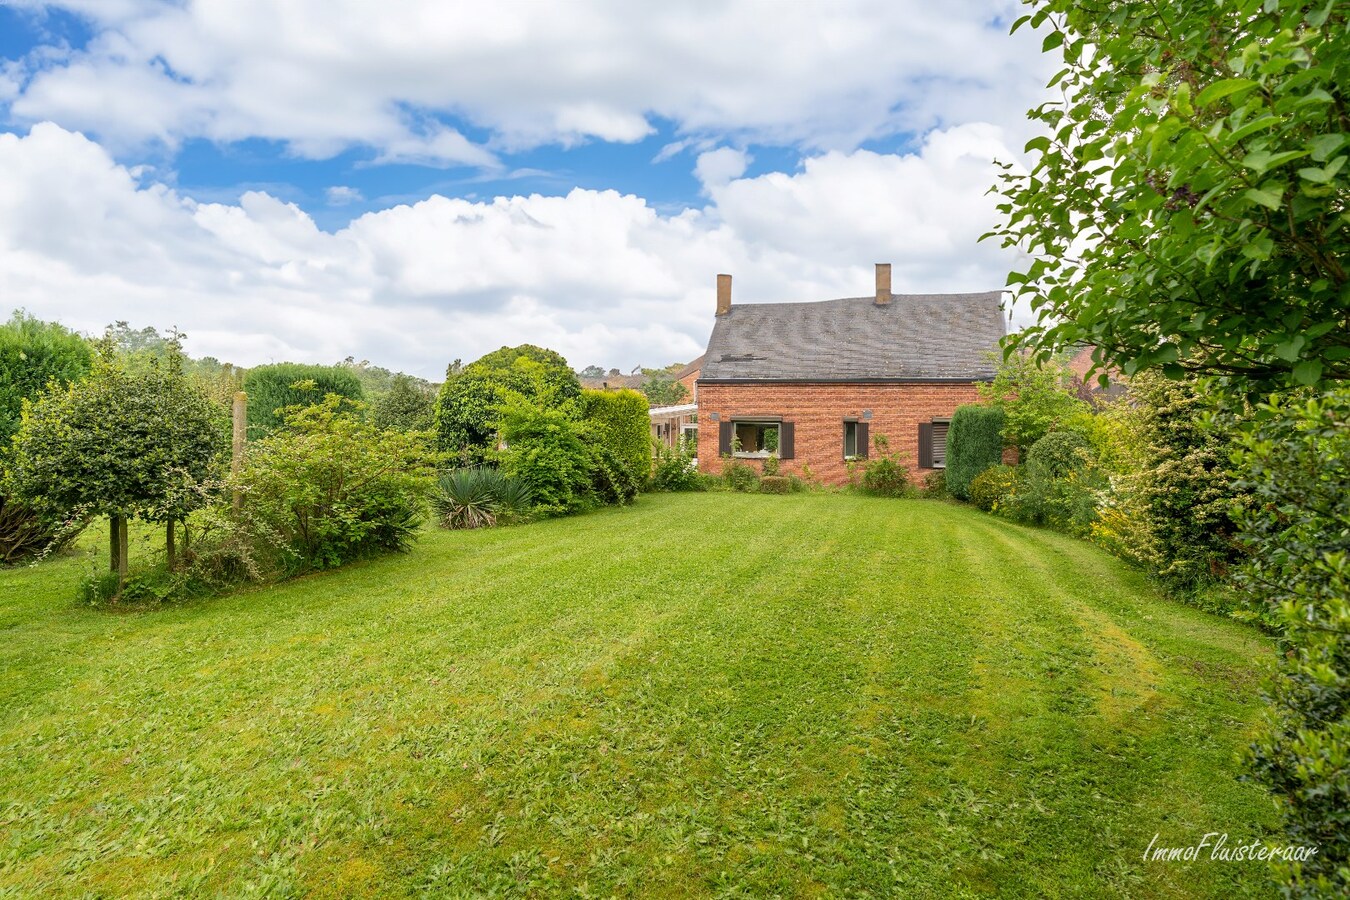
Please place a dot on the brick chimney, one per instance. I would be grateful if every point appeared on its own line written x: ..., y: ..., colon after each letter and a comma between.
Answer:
x: 723, y: 294
x: 883, y: 284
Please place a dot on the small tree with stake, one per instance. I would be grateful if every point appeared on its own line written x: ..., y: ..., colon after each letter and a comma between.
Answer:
x: 120, y: 444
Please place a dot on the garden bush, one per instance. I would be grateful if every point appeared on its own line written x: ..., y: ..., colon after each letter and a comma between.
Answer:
x: 273, y: 390
x: 546, y: 449
x: 612, y: 482
x: 1036, y: 398
x: 479, y: 497
x: 468, y: 413
x: 618, y: 420
x: 1062, y: 484
x: 739, y: 476
x: 884, y: 477
x: 674, y: 470
x: 935, y: 484
x: 1296, y: 465
x: 775, y: 484
x: 408, y: 405
x: 334, y: 488
x: 995, y: 489
x: 974, y: 443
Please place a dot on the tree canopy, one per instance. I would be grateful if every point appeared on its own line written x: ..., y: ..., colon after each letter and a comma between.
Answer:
x: 1187, y: 206
x: 468, y: 407
x: 34, y: 354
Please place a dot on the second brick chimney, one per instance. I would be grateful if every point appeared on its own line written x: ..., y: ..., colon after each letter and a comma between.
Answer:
x: 723, y: 294
x: 883, y: 284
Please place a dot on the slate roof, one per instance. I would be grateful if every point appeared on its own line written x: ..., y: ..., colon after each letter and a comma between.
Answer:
x: 919, y: 337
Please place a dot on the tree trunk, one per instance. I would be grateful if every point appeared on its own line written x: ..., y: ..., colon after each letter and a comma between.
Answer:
x: 122, y: 553
x: 114, y: 544
x: 168, y: 544
x: 240, y: 437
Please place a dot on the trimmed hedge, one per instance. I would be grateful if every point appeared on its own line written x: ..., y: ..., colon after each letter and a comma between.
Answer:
x: 974, y: 443
x: 272, y: 388
x: 619, y: 422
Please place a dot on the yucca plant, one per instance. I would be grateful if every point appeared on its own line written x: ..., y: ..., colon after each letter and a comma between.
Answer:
x: 479, y: 498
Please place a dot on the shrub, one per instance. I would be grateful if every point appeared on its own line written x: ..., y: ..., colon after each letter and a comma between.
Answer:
x: 479, y: 498
x: 1297, y: 575
x: 1062, y: 484
x: 611, y: 480
x: 333, y: 488
x: 545, y: 449
x: 935, y: 484
x: 884, y: 477
x: 771, y: 464
x: 995, y: 488
x: 618, y: 420
x: 273, y: 390
x: 675, y: 470
x: 469, y: 407
x: 34, y: 354
x: 408, y: 405
x: 739, y: 476
x: 1035, y: 398
x: 775, y: 484
x: 974, y: 443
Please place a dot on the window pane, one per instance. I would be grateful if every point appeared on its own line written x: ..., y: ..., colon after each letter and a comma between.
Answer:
x: 850, y: 439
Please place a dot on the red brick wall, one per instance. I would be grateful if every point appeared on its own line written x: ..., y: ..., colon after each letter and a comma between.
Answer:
x: 689, y: 385
x: 818, y: 412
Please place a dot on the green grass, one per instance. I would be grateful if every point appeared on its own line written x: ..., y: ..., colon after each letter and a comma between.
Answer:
x: 717, y: 694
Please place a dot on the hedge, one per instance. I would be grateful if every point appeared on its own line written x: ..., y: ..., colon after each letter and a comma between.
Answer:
x: 618, y: 420
x: 272, y: 388
x: 974, y: 443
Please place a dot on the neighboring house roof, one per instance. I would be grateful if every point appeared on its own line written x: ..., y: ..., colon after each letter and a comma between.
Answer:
x: 915, y: 337
x: 690, y: 369
x: 614, y: 382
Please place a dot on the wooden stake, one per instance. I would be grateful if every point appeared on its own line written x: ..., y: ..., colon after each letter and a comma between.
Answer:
x: 237, y: 454
x: 168, y: 544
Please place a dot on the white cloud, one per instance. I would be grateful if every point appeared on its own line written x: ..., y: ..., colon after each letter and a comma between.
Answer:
x: 342, y: 195
x: 716, y: 168
x: 602, y: 277
x: 324, y: 75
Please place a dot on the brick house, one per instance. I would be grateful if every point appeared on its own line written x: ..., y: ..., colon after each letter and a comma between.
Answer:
x: 817, y: 383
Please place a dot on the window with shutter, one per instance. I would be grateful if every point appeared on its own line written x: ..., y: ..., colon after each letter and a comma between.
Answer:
x: 940, y: 427
x: 925, y: 445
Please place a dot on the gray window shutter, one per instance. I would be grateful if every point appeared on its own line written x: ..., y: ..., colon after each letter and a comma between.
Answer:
x: 785, y: 440
x: 864, y: 444
x: 925, y: 445
x: 724, y: 439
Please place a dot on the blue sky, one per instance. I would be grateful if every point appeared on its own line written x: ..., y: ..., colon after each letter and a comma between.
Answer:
x: 419, y: 181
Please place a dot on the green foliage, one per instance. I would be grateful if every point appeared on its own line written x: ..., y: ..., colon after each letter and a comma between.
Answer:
x: 618, y: 421
x: 739, y: 476
x: 1187, y: 209
x: 1172, y: 496
x: 118, y: 443
x: 775, y: 484
x: 479, y: 497
x: 333, y: 487
x: 275, y: 389
x: 469, y: 406
x: 1062, y: 484
x: 935, y: 485
x: 34, y: 354
x: 547, y: 450
x: 974, y: 443
x: 771, y: 463
x: 611, y: 480
x: 995, y: 489
x: 25, y: 532
x: 1297, y: 575
x: 1036, y: 398
x: 407, y: 404
x: 663, y: 390
x: 884, y: 475
x: 675, y: 470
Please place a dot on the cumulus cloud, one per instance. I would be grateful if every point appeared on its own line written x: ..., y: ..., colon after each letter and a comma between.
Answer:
x: 324, y: 75
x: 600, y: 276
x: 716, y: 168
x: 342, y: 195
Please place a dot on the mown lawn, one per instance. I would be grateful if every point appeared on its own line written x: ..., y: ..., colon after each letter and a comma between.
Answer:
x: 811, y: 695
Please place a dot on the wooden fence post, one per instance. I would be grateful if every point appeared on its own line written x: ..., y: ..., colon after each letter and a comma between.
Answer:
x: 237, y: 454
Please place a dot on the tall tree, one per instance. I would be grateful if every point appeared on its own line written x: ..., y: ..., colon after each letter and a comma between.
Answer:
x: 1187, y: 206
